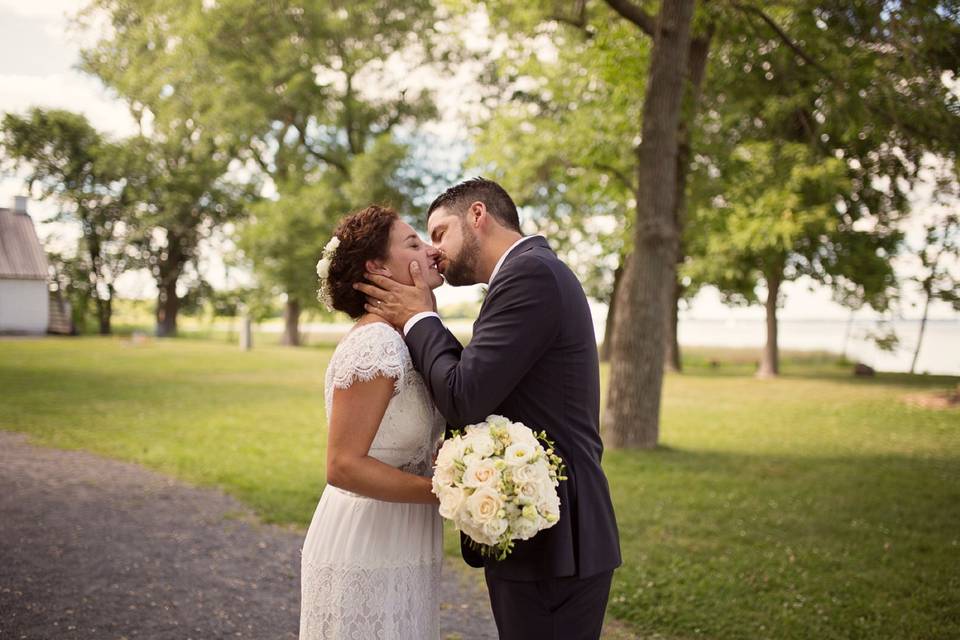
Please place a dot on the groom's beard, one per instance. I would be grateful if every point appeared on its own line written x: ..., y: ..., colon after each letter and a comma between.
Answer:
x: 462, y: 270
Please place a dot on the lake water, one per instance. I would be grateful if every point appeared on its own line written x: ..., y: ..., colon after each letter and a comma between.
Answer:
x: 940, y: 352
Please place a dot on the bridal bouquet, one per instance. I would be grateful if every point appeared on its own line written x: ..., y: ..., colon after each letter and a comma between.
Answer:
x: 497, y: 483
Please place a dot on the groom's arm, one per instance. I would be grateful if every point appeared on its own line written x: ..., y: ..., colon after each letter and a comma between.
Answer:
x: 520, y: 320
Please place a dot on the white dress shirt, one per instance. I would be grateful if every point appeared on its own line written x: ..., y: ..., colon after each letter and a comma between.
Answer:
x: 427, y: 314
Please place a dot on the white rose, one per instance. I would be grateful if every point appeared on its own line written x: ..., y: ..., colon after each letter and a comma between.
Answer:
x: 451, y: 451
x: 482, y: 473
x: 524, y: 528
x: 541, y: 469
x: 549, y: 506
x: 484, y: 505
x: 481, y: 443
x: 518, y: 454
x: 470, y: 459
x: 473, y: 530
x: 497, y: 421
x: 332, y: 245
x: 493, y: 529
x: 529, y: 492
x: 525, y: 473
x: 452, y: 500
x: 444, y: 475
x: 521, y: 434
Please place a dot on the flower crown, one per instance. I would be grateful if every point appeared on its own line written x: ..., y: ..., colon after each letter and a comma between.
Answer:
x: 323, y: 271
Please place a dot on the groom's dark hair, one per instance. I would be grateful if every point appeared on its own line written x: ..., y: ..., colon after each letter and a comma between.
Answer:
x: 498, y: 202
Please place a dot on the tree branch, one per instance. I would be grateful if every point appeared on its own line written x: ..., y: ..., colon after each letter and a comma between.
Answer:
x: 797, y: 49
x: 579, y: 21
x: 635, y: 14
x: 619, y: 175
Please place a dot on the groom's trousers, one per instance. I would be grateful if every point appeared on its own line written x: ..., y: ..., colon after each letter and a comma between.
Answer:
x: 553, y: 609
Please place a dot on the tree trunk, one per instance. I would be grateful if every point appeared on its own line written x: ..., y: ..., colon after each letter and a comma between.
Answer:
x: 632, y: 416
x: 104, y: 307
x: 168, y: 303
x: 696, y: 69
x: 923, y: 326
x: 291, y: 323
x: 770, y: 363
x: 846, y: 334
x: 671, y: 361
x: 104, y: 314
x: 611, y: 314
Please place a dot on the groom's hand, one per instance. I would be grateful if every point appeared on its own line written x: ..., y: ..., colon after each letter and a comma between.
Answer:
x: 395, y: 302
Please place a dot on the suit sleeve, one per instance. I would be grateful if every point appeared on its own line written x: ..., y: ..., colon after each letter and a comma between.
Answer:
x: 518, y: 322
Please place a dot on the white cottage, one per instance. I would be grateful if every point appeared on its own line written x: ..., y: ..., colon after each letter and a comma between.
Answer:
x: 24, y: 295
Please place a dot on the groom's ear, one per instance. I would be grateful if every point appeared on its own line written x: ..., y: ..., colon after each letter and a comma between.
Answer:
x: 377, y: 267
x: 476, y: 213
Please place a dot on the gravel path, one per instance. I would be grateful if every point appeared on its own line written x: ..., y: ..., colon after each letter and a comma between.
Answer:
x: 96, y: 548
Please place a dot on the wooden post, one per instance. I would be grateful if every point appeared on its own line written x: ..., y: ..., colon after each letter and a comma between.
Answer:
x: 246, y: 333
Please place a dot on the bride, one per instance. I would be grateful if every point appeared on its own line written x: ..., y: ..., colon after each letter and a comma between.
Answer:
x: 371, y: 559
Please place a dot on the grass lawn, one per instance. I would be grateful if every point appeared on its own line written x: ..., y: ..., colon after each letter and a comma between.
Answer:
x: 812, y: 506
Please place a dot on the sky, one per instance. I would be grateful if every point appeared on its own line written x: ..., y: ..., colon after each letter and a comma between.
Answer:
x: 38, y: 54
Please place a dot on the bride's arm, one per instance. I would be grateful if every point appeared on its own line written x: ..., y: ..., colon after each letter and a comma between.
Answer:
x: 354, y: 420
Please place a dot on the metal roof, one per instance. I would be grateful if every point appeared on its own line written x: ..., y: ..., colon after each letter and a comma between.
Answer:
x: 21, y: 256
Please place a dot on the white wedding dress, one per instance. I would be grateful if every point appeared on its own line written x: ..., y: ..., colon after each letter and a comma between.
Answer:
x: 371, y: 569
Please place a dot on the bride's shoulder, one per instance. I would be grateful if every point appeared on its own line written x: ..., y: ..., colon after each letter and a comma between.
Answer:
x: 373, y: 331
x: 367, y: 350
x: 374, y: 339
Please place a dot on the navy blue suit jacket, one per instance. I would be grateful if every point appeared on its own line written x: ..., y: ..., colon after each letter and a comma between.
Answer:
x: 533, y: 358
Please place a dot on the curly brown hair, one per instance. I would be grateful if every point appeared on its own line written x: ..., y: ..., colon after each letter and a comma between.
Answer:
x: 364, y: 235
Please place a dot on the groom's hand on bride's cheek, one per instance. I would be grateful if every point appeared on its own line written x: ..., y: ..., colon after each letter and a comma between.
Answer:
x: 395, y: 302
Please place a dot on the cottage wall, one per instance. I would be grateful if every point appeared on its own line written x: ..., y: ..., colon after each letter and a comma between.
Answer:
x: 24, y: 306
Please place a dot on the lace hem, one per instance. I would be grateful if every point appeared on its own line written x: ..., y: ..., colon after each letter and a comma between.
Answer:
x: 388, y: 603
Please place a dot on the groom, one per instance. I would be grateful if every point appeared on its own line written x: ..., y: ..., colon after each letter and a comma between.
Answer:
x: 533, y: 359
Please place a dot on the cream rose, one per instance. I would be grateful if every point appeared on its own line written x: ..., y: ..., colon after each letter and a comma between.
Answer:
x: 482, y: 473
x: 484, y: 505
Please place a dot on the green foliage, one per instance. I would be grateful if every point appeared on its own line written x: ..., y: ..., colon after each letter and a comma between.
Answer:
x: 559, y: 138
x: 72, y: 164
x: 305, y: 96
x: 778, y: 218
x: 284, y: 238
x: 941, y: 249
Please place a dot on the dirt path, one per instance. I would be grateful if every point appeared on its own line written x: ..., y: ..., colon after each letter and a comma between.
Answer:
x: 96, y: 548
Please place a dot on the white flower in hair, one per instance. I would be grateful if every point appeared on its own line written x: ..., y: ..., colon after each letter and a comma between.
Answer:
x: 323, y: 271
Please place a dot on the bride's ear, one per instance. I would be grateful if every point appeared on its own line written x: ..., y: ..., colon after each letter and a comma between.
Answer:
x: 377, y: 267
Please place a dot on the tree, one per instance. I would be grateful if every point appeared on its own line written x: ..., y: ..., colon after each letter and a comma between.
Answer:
x: 778, y: 220
x: 937, y: 281
x: 72, y: 164
x: 825, y: 76
x: 294, y: 91
x: 183, y: 192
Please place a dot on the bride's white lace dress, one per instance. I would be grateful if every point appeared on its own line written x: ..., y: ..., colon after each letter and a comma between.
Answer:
x: 371, y: 569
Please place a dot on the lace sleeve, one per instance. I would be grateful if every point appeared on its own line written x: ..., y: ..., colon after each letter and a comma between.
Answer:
x: 371, y: 351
